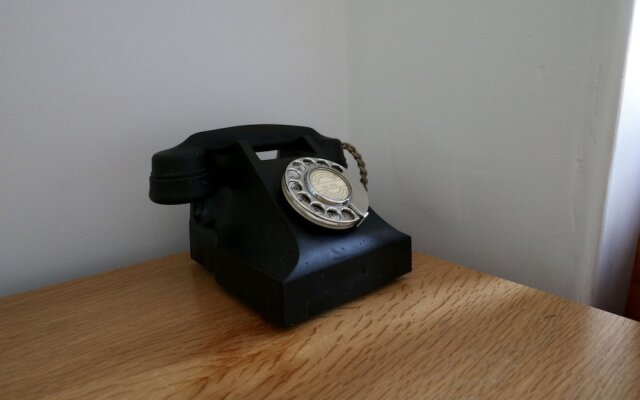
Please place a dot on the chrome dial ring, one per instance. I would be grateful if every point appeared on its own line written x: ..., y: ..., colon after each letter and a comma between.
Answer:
x: 319, y: 191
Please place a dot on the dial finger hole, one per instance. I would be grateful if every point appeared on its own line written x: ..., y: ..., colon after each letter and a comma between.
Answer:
x: 337, y: 167
x: 303, y: 198
x: 293, y: 174
x: 333, y: 214
x: 295, y: 186
x: 308, y: 162
x: 299, y: 166
x: 317, y: 208
x: 348, y: 214
x: 322, y: 162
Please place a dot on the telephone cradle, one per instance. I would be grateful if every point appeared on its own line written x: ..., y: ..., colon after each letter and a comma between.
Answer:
x: 260, y: 248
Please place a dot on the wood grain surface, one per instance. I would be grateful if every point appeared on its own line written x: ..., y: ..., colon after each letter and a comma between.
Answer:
x: 164, y: 329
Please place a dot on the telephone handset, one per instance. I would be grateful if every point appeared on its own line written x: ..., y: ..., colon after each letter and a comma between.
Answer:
x: 292, y: 236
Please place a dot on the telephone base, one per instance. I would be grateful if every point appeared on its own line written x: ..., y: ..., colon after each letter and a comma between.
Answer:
x: 329, y: 272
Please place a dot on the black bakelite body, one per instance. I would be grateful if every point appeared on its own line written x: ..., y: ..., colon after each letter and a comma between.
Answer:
x: 257, y: 246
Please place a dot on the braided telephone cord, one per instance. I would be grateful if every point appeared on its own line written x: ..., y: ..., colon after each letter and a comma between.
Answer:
x: 361, y: 165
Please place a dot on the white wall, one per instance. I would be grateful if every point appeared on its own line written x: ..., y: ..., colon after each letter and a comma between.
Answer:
x: 487, y: 128
x: 622, y: 213
x: 89, y: 90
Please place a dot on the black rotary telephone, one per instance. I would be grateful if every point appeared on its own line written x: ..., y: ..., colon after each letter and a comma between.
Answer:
x: 291, y: 236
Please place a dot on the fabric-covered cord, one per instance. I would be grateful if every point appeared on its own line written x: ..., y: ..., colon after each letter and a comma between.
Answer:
x: 360, y: 161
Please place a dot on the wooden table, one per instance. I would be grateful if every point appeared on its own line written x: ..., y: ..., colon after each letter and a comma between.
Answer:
x: 164, y: 329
